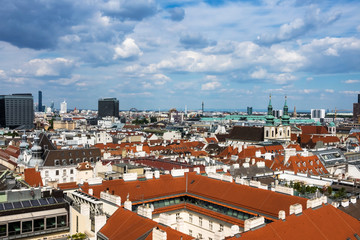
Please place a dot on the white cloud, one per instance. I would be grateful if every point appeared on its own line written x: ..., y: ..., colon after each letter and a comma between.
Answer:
x: 350, y: 81
x: 210, y: 86
x: 350, y: 92
x: 68, y: 81
x: 160, y: 79
x: 259, y: 74
x: 128, y: 49
x: 329, y: 90
x: 50, y: 67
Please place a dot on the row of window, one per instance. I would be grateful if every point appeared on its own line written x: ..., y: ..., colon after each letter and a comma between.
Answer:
x: 71, y: 161
x: 20, y: 227
x: 204, y: 204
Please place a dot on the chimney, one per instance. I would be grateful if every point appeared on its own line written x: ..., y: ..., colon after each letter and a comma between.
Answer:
x: 335, y: 204
x: 296, y: 209
x: 128, y: 204
x: 353, y: 199
x: 235, y: 229
x: 345, y: 202
x: 158, y: 234
x: 282, y: 215
x: 253, y: 223
x: 91, y: 191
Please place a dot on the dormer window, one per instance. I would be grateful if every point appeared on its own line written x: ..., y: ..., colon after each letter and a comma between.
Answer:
x: 71, y: 161
x: 84, y: 159
x: 78, y: 160
x: 64, y: 162
x: 57, y: 162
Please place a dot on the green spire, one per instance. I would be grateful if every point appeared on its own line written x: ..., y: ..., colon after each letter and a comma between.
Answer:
x: 285, y: 119
x: 269, y: 117
x: 270, y: 109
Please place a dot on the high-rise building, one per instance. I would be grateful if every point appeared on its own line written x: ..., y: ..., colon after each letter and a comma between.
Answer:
x: 40, y: 106
x: 249, y: 110
x: 63, y: 107
x: 317, y: 113
x: 356, y: 110
x: 17, y: 111
x: 108, y: 107
x: 277, y: 113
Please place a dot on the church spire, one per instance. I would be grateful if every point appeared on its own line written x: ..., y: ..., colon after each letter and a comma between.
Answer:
x: 269, y: 117
x: 285, y: 119
x: 270, y: 108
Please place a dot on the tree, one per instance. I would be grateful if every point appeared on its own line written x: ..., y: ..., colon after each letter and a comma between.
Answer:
x: 78, y: 236
x: 329, y: 190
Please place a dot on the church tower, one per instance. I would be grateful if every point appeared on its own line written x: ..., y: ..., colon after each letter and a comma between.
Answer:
x: 285, y: 119
x: 269, y: 117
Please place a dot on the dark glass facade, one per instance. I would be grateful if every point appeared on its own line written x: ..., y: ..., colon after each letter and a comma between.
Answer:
x: 17, y: 110
x: 108, y: 107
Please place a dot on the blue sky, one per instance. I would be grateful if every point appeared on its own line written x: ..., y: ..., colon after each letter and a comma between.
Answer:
x: 163, y: 54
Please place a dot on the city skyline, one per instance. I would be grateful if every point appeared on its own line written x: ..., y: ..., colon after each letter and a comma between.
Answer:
x: 164, y: 54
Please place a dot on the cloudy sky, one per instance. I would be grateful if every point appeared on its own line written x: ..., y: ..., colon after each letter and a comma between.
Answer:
x: 170, y: 53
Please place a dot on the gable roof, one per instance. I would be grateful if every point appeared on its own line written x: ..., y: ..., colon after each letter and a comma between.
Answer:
x: 124, y: 224
x: 323, y: 223
x: 32, y: 177
x: 254, y: 199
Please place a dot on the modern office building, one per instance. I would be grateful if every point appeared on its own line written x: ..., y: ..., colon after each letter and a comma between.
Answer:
x: 249, y: 110
x: 17, y: 111
x: 317, y: 113
x: 63, y: 107
x: 356, y: 110
x: 40, y: 105
x: 108, y: 107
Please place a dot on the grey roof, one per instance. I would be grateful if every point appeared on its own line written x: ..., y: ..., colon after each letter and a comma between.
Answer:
x: 250, y: 172
x: 330, y: 157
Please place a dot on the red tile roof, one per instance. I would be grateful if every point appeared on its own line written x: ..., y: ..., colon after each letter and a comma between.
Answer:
x: 323, y: 223
x: 313, y: 129
x: 68, y: 185
x: 253, y: 199
x: 124, y: 224
x: 296, y: 146
x: 32, y: 177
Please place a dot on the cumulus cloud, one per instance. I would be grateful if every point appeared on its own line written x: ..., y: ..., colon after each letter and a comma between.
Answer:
x: 128, y: 49
x: 329, y: 90
x: 177, y: 14
x: 194, y: 40
x: 130, y: 10
x: 329, y: 55
x: 298, y: 27
x: 56, y: 67
x: 350, y: 81
x: 69, y: 81
x: 210, y: 86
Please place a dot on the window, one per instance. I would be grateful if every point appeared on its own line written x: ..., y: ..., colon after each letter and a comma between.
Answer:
x: 46, y: 173
x: 190, y: 232
x: 57, y: 162
x: 71, y: 161
x: 3, y: 229
x: 38, y: 224
x: 71, y: 171
x: 50, y: 222
x: 210, y: 225
x: 177, y: 216
x: 14, y: 228
x: 200, y: 221
x: 64, y: 172
x: 26, y: 226
x: 190, y: 218
x: 200, y: 236
x: 64, y: 162
x: 221, y: 227
x: 57, y: 172
x: 267, y: 133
